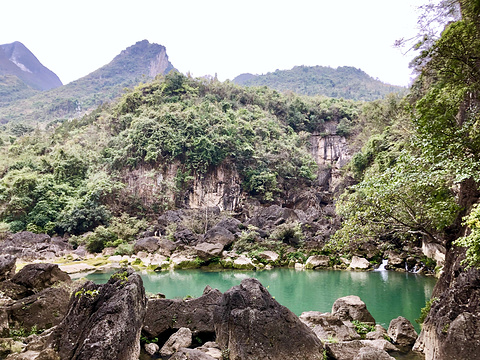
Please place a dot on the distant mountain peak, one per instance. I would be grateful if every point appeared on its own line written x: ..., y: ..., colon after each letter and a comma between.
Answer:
x: 17, y: 60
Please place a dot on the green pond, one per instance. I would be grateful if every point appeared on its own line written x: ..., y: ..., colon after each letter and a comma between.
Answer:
x: 387, y: 294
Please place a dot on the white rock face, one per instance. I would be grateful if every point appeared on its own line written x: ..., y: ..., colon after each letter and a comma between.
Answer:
x: 359, y: 263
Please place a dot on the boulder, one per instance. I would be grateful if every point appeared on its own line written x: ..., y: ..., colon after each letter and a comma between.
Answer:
x: 37, y: 277
x: 181, y: 339
x: 190, y: 354
x: 270, y: 256
x: 231, y: 224
x: 402, y: 332
x: 352, y: 308
x: 359, y: 263
x: 212, y: 349
x: 186, y: 236
x: 7, y: 266
x: 450, y: 330
x: 253, y: 325
x: 379, y: 333
x: 370, y: 353
x: 381, y: 344
x: 42, y: 310
x: 317, y: 261
x: 166, y: 247
x: 395, y: 260
x: 148, y: 244
x: 219, y: 235
x: 329, y: 327
x: 349, y: 350
x: 207, y: 251
x: 243, y: 263
x: 271, y: 216
x: 103, y: 321
x: 151, y: 348
x: 165, y: 315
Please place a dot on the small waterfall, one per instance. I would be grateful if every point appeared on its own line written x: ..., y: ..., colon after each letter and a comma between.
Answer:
x: 382, y: 266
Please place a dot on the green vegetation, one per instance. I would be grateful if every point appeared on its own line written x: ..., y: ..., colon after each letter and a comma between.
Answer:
x: 362, y: 329
x: 344, y: 82
x: 425, y: 310
x: 74, y: 178
x: 418, y: 161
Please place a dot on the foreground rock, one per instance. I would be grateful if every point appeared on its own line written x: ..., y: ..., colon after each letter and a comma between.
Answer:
x: 252, y: 325
x: 329, y: 327
x: 42, y: 310
x: 355, y: 350
x: 352, y: 308
x: 165, y: 316
x: 32, y: 279
x: 103, y: 321
x: 181, y: 339
x: 451, y: 329
x: 402, y: 332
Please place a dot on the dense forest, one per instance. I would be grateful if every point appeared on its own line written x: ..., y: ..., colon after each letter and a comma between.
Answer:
x: 72, y: 178
x: 343, y: 82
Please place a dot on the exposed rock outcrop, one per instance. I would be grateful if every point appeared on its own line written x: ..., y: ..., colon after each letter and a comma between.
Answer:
x: 29, y: 246
x: 252, y: 325
x: 103, y: 321
x: 450, y: 330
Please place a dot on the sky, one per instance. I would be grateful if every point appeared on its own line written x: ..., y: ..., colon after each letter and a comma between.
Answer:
x: 223, y: 37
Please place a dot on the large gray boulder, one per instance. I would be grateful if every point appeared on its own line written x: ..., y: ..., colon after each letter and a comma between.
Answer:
x: 207, y: 251
x: 41, y: 310
x: 148, y: 244
x: 352, y: 308
x: 356, y: 349
x: 33, y: 278
x: 103, y: 321
x: 37, y: 277
x: 165, y: 315
x: 402, y: 332
x: 7, y: 266
x: 219, y: 235
x: 329, y: 327
x: 253, y: 325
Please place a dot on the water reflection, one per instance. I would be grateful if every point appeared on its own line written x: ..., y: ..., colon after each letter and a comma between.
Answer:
x: 387, y: 294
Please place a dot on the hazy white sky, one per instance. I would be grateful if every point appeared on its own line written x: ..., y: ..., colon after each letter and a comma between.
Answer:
x: 227, y: 37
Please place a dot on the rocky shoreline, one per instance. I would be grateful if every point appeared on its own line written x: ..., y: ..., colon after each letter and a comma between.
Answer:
x: 46, y: 316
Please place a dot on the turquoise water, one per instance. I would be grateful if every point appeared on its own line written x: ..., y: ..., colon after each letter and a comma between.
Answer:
x: 386, y: 294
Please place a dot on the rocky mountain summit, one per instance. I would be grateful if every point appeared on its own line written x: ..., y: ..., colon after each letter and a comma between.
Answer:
x: 138, y: 63
x: 17, y: 60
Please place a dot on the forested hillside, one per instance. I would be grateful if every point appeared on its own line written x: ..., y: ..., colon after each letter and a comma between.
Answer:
x: 343, y: 82
x: 78, y: 175
x: 138, y: 63
x: 418, y: 175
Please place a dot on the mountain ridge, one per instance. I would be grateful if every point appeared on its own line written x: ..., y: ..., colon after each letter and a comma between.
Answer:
x: 346, y: 82
x: 16, y: 59
x: 133, y: 65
